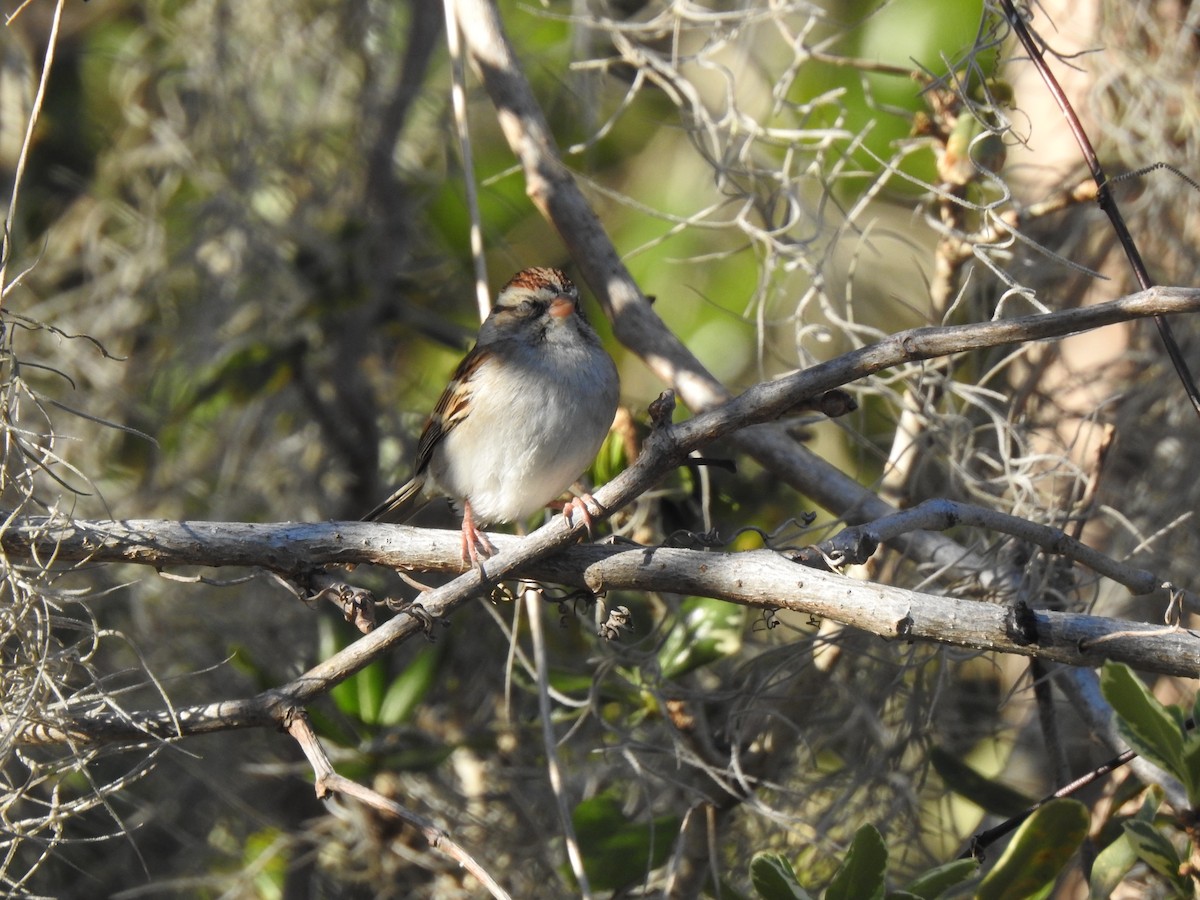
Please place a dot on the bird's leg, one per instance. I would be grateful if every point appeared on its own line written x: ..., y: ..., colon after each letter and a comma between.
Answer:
x: 475, y: 543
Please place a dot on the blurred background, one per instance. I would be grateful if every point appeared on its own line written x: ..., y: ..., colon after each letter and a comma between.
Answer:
x: 240, y: 276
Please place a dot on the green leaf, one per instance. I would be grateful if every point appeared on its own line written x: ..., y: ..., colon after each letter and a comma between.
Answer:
x: 1038, y: 852
x: 1110, y: 868
x: 1150, y: 805
x: 1115, y: 860
x: 611, y: 461
x: 1153, y: 848
x: 1191, y: 767
x: 262, y: 857
x: 616, y: 851
x: 368, y: 683
x: 1151, y: 729
x: 932, y: 884
x: 410, y: 686
x: 707, y: 630
x: 862, y: 875
x: 979, y: 789
x: 572, y: 683
x: 334, y: 728
x: 244, y: 661
x: 329, y: 641
x: 773, y: 878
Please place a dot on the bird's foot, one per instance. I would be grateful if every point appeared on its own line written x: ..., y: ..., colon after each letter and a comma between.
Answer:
x: 475, y: 544
x: 585, y: 507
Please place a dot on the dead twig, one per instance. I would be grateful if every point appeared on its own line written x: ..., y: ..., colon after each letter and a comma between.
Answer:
x: 327, y: 781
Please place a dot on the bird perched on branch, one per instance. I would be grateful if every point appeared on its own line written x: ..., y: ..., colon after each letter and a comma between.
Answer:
x: 523, y: 416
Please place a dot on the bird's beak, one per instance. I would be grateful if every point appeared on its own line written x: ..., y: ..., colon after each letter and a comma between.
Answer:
x: 561, y: 307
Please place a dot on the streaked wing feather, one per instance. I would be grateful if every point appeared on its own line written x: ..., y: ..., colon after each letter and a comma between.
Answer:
x: 451, y: 409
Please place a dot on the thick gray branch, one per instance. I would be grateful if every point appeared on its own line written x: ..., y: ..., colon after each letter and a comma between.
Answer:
x: 762, y: 578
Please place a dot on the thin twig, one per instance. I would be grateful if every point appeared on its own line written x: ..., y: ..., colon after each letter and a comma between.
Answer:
x: 855, y: 544
x: 458, y: 98
x: 327, y: 781
x: 19, y: 173
x: 986, y: 838
x: 531, y: 598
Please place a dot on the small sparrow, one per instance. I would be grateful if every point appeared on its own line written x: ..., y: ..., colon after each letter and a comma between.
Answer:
x: 524, y: 414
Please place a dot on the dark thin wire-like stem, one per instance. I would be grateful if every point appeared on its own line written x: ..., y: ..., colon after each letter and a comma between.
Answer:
x: 986, y: 838
x: 1104, y: 195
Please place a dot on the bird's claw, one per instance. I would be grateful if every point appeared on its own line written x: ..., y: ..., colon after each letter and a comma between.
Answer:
x: 580, y: 506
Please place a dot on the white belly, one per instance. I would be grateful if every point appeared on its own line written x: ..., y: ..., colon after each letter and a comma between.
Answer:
x: 551, y: 425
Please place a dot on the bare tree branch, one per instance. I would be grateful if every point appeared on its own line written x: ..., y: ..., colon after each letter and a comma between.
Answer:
x: 328, y: 781
x: 763, y: 579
